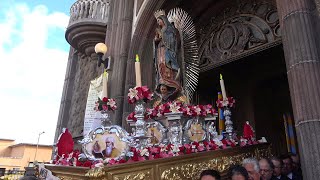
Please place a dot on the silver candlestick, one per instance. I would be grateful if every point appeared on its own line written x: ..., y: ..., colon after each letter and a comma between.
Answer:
x: 228, y: 122
x: 141, y: 129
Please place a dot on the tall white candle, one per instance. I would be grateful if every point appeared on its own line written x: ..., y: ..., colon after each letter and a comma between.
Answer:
x: 138, y: 71
x: 223, y: 88
x: 105, y: 84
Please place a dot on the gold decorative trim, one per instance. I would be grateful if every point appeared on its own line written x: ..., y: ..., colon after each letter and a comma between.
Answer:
x: 180, y: 167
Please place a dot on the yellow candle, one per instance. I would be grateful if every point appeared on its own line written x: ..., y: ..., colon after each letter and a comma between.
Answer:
x: 138, y: 71
x: 105, y: 84
x: 223, y: 88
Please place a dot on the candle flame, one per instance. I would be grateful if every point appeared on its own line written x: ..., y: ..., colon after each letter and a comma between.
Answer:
x: 137, y: 58
x: 221, y: 77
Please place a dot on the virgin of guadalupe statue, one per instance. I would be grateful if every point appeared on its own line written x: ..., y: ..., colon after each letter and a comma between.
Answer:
x: 176, y: 64
x: 166, y: 59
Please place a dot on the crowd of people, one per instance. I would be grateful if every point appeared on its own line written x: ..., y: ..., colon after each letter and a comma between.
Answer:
x: 285, y: 167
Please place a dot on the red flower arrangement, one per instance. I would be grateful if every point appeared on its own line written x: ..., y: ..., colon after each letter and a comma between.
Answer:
x: 169, y: 107
x: 229, y: 102
x: 199, y: 110
x: 131, y: 117
x: 142, y: 93
x: 149, y: 114
x: 176, y: 107
x: 105, y: 104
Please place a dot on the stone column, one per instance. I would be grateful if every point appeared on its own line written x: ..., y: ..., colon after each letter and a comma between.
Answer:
x: 300, y: 33
x: 118, y: 38
x: 68, y: 86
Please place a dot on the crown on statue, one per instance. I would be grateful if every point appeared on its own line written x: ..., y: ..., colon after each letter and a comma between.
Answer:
x: 159, y: 13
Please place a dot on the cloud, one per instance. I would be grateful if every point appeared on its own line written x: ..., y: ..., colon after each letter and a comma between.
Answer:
x: 31, y: 74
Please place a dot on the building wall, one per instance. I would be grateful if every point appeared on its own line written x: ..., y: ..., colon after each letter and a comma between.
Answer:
x: 4, y: 144
x: 17, y: 151
x: 21, y: 155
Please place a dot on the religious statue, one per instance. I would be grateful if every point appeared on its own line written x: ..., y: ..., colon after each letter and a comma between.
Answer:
x: 166, y: 59
x: 153, y: 138
x: 248, y: 132
x: 211, y: 131
x: 175, y: 133
x: 173, y: 60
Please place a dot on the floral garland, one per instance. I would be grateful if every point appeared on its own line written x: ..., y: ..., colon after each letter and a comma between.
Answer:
x: 170, y: 150
x: 142, y: 93
x: 105, y: 104
x: 228, y: 102
x: 151, y: 152
x: 199, y: 110
x: 176, y: 107
x: 71, y: 160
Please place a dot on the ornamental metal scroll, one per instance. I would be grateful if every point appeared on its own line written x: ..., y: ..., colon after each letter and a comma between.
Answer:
x: 240, y: 31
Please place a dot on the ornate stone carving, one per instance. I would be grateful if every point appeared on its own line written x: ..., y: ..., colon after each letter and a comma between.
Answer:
x: 89, y: 10
x: 241, y: 30
x: 87, y: 24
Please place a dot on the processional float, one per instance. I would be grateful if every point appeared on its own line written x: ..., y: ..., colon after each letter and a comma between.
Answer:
x: 164, y: 124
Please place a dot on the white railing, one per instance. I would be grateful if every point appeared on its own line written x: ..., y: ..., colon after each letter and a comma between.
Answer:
x: 89, y: 10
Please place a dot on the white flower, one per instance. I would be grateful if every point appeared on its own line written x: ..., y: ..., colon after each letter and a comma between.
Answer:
x: 174, y: 107
x: 218, y: 142
x: 107, y: 160
x: 111, y: 102
x: 197, y: 110
x: 163, y: 148
x: 129, y: 154
x: 98, y: 165
x: 225, y: 102
x: 175, y: 149
x: 144, y: 152
x: 133, y: 93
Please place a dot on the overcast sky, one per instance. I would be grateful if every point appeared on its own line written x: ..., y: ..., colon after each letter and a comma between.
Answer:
x: 33, y: 59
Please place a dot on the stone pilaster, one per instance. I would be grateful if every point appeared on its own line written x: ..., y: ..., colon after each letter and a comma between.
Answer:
x: 65, y: 104
x: 300, y: 32
x: 119, y: 40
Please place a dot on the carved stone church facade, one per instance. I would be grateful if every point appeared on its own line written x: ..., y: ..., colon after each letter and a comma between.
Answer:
x: 258, y: 44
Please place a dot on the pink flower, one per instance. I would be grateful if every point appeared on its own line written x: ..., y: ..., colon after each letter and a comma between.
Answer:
x: 104, y: 107
x: 131, y: 117
x: 188, y: 111
x: 201, y: 148
x: 112, y: 161
x: 197, y: 110
x: 154, y: 150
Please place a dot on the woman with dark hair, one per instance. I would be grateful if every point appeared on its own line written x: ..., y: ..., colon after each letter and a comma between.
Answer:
x: 210, y: 174
x: 238, y: 172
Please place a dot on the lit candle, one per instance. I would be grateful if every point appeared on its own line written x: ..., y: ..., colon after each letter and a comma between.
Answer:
x: 223, y: 88
x: 138, y: 71
x: 105, y: 84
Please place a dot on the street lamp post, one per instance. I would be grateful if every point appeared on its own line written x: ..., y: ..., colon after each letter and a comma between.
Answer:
x: 35, y: 155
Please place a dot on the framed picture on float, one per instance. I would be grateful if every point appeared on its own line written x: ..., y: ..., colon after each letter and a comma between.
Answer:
x: 106, y: 142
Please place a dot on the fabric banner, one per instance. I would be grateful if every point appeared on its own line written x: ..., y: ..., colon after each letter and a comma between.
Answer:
x: 92, y: 119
